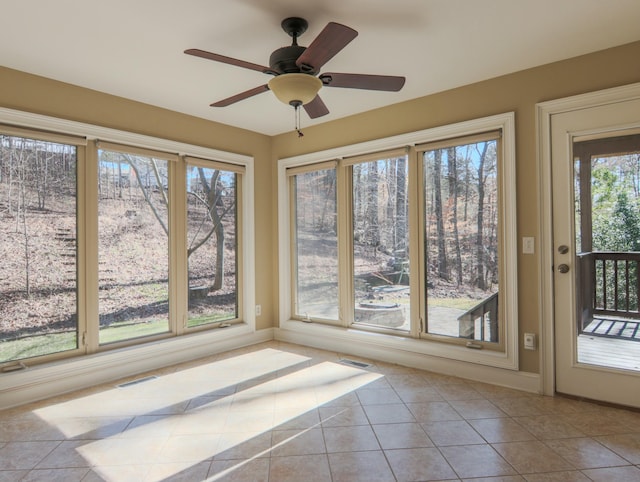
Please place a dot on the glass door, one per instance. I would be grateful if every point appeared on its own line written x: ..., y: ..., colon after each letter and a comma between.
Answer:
x: 596, y: 206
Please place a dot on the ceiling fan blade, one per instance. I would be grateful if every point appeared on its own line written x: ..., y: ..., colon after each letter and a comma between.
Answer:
x: 388, y: 83
x: 241, y: 96
x: 316, y: 108
x: 333, y: 38
x: 227, y: 60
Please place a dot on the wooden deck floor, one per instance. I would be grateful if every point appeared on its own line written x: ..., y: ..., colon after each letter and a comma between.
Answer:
x: 615, y: 327
x: 609, y: 352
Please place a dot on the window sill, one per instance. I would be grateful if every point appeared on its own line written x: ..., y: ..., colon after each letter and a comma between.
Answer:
x: 55, y: 378
x: 370, y: 341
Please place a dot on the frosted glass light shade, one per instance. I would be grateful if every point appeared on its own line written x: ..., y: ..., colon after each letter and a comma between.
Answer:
x: 295, y: 88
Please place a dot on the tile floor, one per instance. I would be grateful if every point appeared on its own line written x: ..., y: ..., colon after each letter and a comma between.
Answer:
x: 279, y: 412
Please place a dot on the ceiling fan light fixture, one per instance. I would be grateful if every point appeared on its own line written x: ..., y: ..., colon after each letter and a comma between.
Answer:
x: 296, y: 69
x: 295, y: 88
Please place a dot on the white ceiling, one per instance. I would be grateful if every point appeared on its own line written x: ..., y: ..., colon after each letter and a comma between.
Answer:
x: 134, y: 48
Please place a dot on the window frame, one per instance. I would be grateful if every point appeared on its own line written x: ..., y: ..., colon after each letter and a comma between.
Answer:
x: 421, y: 150
x: 14, y: 122
x: 348, y: 164
x: 80, y: 145
x: 291, y: 187
x: 172, y: 160
x: 240, y: 172
x: 414, y: 341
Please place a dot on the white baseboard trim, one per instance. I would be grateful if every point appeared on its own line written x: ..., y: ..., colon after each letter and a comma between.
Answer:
x: 358, y: 344
x: 44, y: 381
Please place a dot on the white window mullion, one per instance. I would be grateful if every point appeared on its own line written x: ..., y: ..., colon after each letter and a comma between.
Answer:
x: 345, y: 239
x: 178, y: 283
x: 88, y: 236
x: 416, y: 242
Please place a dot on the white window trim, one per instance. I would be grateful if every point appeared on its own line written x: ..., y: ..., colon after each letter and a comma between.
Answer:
x: 93, y: 132
x: 507, y: 359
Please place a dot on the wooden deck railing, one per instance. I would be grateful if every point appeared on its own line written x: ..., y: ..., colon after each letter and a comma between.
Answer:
x: 486, y: 314
x: 610, y: 285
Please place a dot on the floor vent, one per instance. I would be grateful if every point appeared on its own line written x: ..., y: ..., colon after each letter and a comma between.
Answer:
x: 353, y: 363
x: 136, y: 382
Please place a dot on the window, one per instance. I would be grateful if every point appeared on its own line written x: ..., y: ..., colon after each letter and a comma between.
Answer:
x: 133, y: 239
x: 420, y: 245
x: 212, y: 250
x: 38, y: 247
x: 380, y: 243
x: 315, y: 243
x: 100, y: 241
x: 462, y: 232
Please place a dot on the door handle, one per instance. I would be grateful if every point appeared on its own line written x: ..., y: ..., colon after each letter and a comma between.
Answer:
x: 563, y: 268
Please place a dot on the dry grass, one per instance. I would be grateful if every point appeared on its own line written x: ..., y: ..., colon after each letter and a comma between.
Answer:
x: 133, y: 268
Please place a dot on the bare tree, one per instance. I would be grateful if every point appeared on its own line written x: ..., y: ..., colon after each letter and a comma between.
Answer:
x: 480, y: 258
x: 401, y: 203
x: 437, y: 188
x: 328, y: 195
x: 145, y: 190
x: 213, y: 199
x: 391, y: 189
x: 24, y: 225
x: 151, y: 178
x: 372, y: 228
x: 453, y: 197
x: 467, y: 184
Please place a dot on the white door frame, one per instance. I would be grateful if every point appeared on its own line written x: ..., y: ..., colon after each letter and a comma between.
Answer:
x: 544, y: 111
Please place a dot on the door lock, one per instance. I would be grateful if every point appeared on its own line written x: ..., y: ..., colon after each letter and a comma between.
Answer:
x: 563, y: 249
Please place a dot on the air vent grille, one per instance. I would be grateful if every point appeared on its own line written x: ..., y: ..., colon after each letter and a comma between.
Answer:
x: 353, y: 363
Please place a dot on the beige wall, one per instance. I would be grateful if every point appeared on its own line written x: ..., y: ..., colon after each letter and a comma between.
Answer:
x: 517, y: 92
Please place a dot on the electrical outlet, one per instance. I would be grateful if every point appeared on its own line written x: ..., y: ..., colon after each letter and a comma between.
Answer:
x: 258, y: 310
x: 529, y: 341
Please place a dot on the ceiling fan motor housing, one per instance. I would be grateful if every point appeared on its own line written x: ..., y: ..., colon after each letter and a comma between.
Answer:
x: 283, y: 60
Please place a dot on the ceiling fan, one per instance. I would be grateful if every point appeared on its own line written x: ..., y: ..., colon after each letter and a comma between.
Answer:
x: 295, y: 69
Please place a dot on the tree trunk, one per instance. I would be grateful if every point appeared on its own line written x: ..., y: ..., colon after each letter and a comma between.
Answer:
x: 401, y: 204
x: 328, y: 207
x: 437, y: 187
x: 119, y: 186
x: 219, y: 230
x: 213, y: 198
x: 11, y: 150
x: 25, y: 227
x: 480, y: 275
x: 372, y: 228
x: 453, y: 196
x: 467, y: 184
x: 391, y: 186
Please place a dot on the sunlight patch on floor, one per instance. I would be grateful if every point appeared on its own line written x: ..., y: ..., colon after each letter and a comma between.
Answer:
x: 190, y: 415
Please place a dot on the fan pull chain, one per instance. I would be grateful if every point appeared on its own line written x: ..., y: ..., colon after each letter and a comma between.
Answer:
x: 297, y: 120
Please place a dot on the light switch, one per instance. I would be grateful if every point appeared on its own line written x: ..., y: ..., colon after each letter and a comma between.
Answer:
x: 528, y: 245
